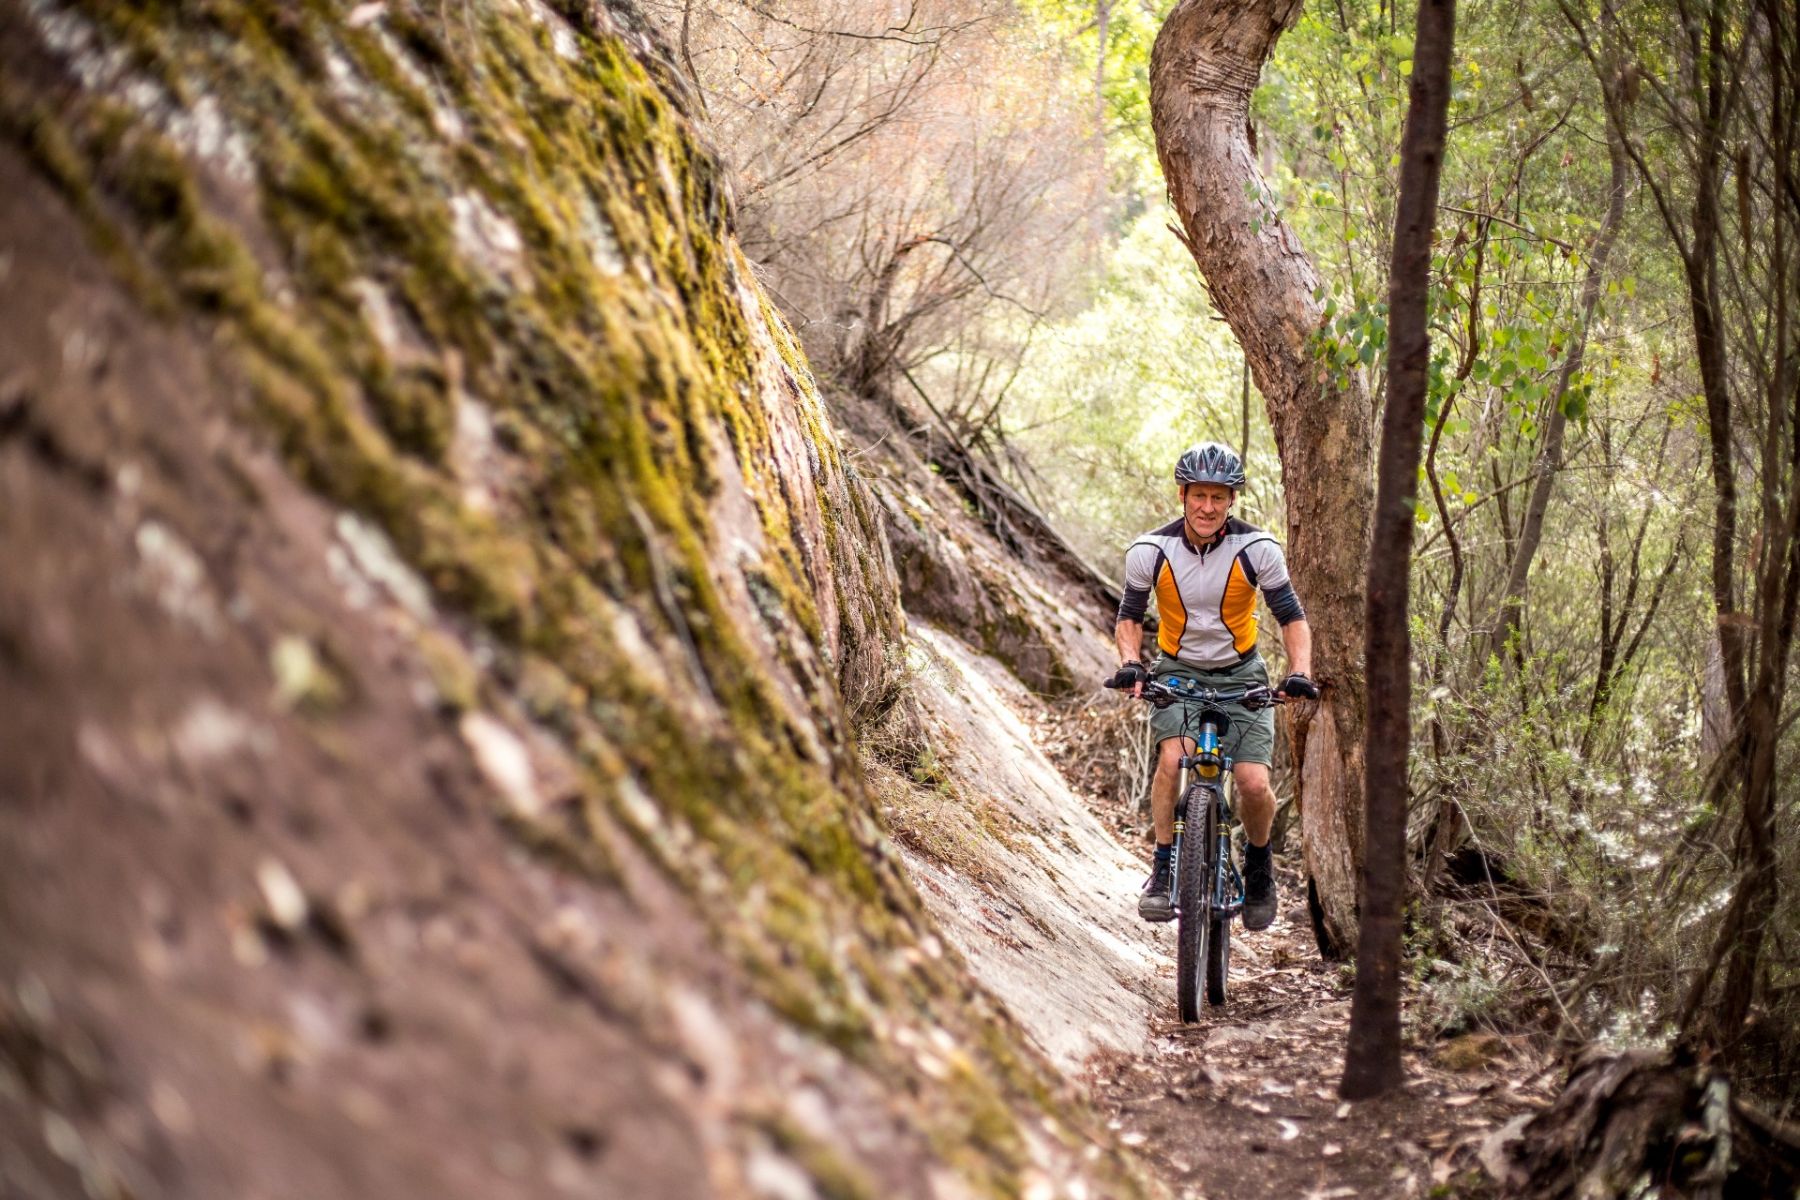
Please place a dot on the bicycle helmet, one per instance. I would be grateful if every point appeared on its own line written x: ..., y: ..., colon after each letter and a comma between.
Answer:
x: 1210, y: 462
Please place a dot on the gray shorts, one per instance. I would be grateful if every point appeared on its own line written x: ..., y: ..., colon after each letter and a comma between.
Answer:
x: 1251, y: 738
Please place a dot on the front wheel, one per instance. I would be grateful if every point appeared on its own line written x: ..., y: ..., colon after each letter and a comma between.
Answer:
x: 1193, y: 901
x: 1218, y: 959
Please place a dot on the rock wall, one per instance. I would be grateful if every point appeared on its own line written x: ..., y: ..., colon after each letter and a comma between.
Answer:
x: 1025, y: 609
x: 434, y: 615
x: 1021, y: 876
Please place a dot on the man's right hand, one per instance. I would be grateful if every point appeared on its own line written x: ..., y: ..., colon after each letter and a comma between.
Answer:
x: 1130, y: 675
x: 1299, y: 686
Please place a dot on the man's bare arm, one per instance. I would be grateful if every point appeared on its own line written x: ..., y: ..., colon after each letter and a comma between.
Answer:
x: 1296, y: 636
x: 1129, y: 637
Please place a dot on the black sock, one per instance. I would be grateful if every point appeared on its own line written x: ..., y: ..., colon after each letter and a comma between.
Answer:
x: 1164, y: 854
x: 1262, y: 852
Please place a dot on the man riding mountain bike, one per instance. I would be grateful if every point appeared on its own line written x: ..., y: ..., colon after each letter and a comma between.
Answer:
x: 1206, y: 569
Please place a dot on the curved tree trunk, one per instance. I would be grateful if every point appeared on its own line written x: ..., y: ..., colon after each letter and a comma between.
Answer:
x: 1206, y: 63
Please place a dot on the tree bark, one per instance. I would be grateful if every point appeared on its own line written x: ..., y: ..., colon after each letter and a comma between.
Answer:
x: 1206, y: 62
x: 1372, y: 1059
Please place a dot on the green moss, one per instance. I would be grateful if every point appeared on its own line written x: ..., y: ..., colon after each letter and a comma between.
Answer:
x: 49, y: 145
x: 835, y: 1178
x: 416, y: 407
x: 607, y: 388
x: 988, y: 1125
x: 452, y: 675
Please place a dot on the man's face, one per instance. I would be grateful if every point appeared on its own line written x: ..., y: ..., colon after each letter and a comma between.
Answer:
x: 1205, y: 506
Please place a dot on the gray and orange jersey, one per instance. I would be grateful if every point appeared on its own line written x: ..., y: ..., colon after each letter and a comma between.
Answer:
x: 1206, y: 594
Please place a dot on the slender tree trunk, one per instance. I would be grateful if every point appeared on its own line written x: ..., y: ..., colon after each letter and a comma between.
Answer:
x: 1531, y: 529
x: 1203, y: 69
x: 1372, y: 1061
x: 1701, y: 268
x: 1710, y: 352
x: 1445, y: 822
x: 1774, y: 600
x: 1715, y: 708
x: 1696, y: 240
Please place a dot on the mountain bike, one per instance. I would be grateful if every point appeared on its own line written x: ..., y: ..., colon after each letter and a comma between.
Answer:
x: 1208, y: 889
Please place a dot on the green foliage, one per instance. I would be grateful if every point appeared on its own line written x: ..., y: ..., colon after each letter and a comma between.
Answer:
x: 1577, y: 813
x: 1124, y: 78
x: 1108, y: 399
x: 1574, y: 752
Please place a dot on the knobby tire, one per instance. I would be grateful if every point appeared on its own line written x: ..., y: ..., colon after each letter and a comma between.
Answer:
x: 1193, y: 902
x: 1218, y: 926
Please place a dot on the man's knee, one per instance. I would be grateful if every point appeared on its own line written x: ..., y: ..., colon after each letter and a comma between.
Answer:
x: 1253, y: 783
x: 1168, y: 759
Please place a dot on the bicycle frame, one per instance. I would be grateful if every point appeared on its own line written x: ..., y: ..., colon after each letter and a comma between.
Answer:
x: 1213, y: 770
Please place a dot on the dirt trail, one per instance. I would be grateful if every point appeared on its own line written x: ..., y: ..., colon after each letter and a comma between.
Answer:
x: 1244, y: 1103
x: 1033, y: 881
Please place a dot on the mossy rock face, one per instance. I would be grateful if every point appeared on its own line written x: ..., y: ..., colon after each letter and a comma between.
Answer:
x: 469, y: 270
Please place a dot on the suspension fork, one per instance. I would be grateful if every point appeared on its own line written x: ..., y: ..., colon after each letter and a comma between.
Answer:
x: 1227, y: 885
x: 1181, y: 793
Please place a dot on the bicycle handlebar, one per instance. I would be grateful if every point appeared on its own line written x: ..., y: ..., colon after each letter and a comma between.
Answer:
x: 1162, y: 695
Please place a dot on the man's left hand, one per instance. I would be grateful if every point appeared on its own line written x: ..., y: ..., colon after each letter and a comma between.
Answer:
x: 1299, y: 686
